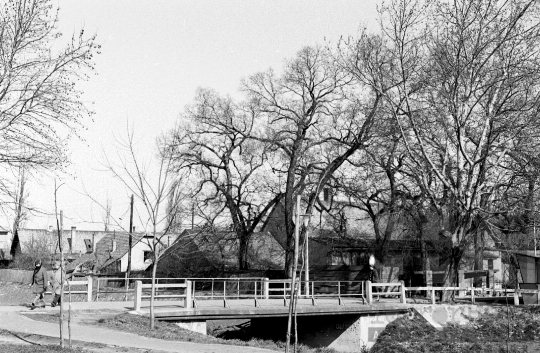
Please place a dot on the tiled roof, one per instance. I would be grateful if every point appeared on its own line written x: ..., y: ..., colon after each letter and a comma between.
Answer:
x: 104, y: 247
x: 222, y: 246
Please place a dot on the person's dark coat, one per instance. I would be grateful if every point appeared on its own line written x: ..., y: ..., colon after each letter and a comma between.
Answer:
x: 39, y: 280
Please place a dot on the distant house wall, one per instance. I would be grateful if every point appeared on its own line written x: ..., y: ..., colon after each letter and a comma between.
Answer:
x: 73, y: 240
x: 138, y: 262
x: 5, y: 244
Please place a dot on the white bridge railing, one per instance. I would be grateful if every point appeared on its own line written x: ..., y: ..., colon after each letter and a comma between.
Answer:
x: 86, y: 284
x: 194, y: 290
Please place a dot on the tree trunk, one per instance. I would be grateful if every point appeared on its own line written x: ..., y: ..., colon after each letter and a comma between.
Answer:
x: 451, y: 272
x: 243, y: 263
x: 154, y: 271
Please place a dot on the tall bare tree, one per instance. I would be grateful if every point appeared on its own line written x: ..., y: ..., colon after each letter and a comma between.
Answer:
x: 213, y: 144
x: 315, y: 116
x: 151, y: 183
x: 39, y: 101
x: 466, y: 86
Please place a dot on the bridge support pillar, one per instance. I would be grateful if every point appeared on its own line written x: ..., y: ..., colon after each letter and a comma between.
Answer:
x: 89, y: 288
x: 196, y: 326
x: 138, y: 296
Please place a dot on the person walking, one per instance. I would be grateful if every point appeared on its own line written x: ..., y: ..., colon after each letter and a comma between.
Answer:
x: 369, y: 273
x: 56, y: 284
x: 39, y: 284
x: 374, y: 278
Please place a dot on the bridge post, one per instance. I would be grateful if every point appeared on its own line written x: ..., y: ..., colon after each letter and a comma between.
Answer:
x: 461, y: 280
x: 187, y: 300
x: 491, y: 280
x: 89, y: 289
x: 138, y: 296
x: 472, y: 295
x: 403, y: 297
x: 516, y: 297
x: 433, y: 301
x: 369, y: 293
x: 266, y: 285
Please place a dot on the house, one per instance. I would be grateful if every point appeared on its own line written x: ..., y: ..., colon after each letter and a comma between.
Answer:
x: 75, y: 242
x: 342, y: 241
x: 5, y: 244
x: 112, y: 251
x: 200, y: 252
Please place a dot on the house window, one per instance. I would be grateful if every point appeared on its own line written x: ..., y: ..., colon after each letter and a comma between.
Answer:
x: 147, y: 256
x: 88, y: 244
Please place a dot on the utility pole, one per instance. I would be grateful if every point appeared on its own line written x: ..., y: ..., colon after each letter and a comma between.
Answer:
x: 292, y: 301
x: 60, y: 226
x: 128, y: 272
x: 130, y: 235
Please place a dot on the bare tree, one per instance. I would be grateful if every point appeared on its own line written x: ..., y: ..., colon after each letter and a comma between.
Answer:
x: 213, y: 144
x: 315, y: 117
x: 107, y: 215
x: 466, y: 86
x: 152, y: 184
x: 39, y: 102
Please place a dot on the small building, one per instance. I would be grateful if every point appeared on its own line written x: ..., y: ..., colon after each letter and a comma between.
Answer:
x: 200, y: 252
x: 74, y: 242
x: 112, y: 251
x: 5, y: 245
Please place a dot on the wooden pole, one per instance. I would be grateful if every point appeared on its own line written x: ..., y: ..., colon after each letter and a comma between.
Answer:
x: 130, y: 236
x: 128, y: 271
x: 293, y: 280
x: 60, y: 226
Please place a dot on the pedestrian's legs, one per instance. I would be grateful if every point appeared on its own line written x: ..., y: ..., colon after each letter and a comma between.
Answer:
x: 56, y: 300
x: 42, y: 299
x: 36, y: 299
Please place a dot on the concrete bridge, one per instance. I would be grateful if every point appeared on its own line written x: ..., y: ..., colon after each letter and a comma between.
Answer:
x: 328, y: 315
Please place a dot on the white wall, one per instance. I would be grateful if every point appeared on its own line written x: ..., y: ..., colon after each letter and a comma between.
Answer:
x: 137, y: 256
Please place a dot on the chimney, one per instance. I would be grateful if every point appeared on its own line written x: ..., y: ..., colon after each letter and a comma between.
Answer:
x: 72, y: 237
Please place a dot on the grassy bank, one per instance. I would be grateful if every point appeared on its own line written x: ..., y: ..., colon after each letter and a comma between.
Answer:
x: 515, y: 331
x: 168, y: 331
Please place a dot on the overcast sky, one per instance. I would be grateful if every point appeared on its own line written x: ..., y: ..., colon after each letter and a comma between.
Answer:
x: 154, y: 55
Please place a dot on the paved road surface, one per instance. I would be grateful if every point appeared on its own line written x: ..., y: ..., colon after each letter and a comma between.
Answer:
x: 24, y: 328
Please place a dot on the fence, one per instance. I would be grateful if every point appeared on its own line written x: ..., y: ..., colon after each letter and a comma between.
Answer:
x: 85, y: 284
x: 161, y: 293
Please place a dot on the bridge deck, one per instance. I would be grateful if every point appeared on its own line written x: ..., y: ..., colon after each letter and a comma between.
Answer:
x: 245, y: 309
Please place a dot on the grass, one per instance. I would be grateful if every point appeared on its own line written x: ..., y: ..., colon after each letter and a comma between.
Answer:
x: 33, y: 348
x: 487, y: 334
x: 139, y: 325
x: 18, y: 348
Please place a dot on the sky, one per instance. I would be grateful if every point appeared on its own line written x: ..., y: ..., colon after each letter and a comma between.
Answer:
x: 154, y: 55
